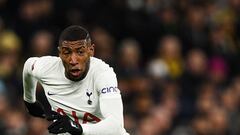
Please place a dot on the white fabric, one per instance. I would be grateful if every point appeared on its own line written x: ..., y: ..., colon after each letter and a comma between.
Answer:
x: 71, y: 98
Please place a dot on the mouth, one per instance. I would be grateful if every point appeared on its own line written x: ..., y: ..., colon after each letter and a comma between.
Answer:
x: 75, y: 72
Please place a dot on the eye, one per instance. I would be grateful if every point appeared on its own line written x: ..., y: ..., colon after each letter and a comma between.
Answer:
x: 80, y: 52
x: 66, y: 52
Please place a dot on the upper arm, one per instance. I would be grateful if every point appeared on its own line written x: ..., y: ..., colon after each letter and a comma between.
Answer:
x: 111, y: 107
x: 29, y: 80
x: 109, y: 95
x: 29, y: 66
x: 107, y: 85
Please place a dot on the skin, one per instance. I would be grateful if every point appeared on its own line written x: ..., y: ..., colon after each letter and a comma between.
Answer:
x: 75, y: 56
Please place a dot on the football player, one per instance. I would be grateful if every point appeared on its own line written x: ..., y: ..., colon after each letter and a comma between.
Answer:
x: 81, y: 89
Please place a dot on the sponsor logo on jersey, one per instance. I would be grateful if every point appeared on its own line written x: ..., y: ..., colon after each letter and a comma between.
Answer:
x: 109, y: 89
x: 50, y: 94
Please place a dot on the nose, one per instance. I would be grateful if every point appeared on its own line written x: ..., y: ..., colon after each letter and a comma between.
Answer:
x: 73, y: 59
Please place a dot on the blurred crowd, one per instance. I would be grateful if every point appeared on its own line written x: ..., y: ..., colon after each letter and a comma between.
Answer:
x: 177, y: 61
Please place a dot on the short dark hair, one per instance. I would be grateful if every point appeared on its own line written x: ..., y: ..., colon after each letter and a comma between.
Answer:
x: 73, y: 33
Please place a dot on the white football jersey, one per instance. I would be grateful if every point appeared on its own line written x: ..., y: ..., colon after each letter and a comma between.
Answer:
x: 83, y: 101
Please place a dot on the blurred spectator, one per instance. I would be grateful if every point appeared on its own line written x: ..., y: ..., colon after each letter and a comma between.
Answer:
x: 10, y: 79
x: 192, y: 79
x: 34, y: 10
x: 42, y: 43
x: 169, y: 21
x: 15, y: 123
x: 202, y: 126
x: 104, y: 45
x: 207, y: 98
x: 199, y: 125
x: 223, y: 37
x: 219, y: 121
x: 159, y: 122
x: 168, y: 60
x: 37, y: 126
x: 195, y: 31
x: 129, y: 57
x: 10, y: 45
x: 218, y: 71
x: 162, y: 120
x: 170, y: 98
x: 33, y: 15
x: 146, y: 126
x: 230, y: 102
x: 142, y: 105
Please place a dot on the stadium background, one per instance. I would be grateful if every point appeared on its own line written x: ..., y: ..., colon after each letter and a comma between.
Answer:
x: 177, y: 61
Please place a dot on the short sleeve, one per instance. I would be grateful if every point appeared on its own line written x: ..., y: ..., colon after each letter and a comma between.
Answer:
x: 30, y: 66
x: 34, y: 65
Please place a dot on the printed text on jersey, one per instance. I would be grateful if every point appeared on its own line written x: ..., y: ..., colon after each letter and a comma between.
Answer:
x: 109, y: 90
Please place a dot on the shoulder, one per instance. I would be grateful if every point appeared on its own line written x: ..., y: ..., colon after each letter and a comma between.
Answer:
x: 42, y: 64
x: 104, y: 77
x: 99, y: 67
x: 43, y: 61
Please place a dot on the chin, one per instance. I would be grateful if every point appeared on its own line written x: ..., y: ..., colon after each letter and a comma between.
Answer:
x: 75, y: 78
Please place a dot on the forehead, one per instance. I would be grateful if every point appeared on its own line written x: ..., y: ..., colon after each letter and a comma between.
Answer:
x: 74, y: 44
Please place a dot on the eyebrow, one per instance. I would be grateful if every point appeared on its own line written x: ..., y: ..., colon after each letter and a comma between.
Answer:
x: 67, y: 47
x: 74, y: 42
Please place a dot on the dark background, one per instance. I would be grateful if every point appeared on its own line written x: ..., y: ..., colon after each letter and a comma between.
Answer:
x: 177, y: 61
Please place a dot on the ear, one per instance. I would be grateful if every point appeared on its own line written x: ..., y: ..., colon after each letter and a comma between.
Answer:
x: 91, y: 49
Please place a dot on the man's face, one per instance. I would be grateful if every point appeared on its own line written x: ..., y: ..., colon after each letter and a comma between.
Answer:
x: 75, y: 56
